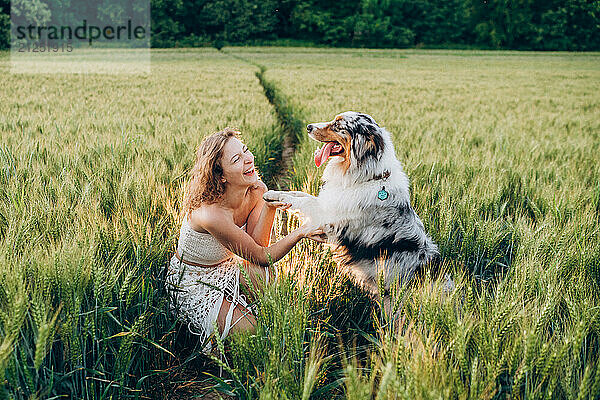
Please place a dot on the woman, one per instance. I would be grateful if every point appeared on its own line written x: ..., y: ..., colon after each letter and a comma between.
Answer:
x: 226, y: 224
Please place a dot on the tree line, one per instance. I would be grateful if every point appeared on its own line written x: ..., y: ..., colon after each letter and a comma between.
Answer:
x: 495, y: 24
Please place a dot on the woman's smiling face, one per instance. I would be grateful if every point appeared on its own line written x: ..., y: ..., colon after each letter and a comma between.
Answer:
x: 238, y: 163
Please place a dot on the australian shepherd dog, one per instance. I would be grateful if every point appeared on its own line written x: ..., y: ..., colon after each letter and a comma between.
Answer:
x: 363, y: 205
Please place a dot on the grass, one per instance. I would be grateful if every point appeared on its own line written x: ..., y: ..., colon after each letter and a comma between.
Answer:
x: 92, y: 174
x: 501, y: 149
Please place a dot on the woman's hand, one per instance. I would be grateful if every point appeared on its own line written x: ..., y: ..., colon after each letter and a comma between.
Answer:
x: 261, y: 189
x: 278, y: 204
x: 273, y: 204
x: 316, y: 234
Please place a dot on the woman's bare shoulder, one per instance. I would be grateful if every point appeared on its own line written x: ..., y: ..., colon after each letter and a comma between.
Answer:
x: 206, y: 217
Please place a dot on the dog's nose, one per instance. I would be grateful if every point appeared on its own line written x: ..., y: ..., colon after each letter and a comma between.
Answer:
x: 309, y: 128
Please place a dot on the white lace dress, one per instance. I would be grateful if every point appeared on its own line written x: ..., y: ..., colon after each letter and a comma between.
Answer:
x: 197, y: 293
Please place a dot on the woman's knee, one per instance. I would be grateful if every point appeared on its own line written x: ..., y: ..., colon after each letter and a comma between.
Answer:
x: 239, y: 319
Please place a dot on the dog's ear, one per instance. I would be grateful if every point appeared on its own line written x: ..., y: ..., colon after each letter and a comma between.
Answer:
x: 367, y: 141
x: 368, y: 118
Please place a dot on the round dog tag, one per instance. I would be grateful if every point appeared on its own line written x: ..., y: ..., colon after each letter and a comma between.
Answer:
x: 382, y: 194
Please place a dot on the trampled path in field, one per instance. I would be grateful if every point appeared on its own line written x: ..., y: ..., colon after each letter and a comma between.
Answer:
x: 289, y: 117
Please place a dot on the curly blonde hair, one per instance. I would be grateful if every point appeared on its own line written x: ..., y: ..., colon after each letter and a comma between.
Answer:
x: 205, y: 185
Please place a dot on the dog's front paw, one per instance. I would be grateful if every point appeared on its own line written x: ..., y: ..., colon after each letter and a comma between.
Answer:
x: 272, y: 195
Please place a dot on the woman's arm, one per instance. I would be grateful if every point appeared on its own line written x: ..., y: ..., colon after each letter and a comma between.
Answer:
x: 222, y: 227
x: 262, y: 228
x: 260, y: 219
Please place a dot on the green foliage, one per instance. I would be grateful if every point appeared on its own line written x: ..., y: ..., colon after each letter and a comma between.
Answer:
x: 571, y: 25
x: 200, y: 23
x: 166, y: 31
x: 371, y: 31
x: 36, y: 11
x: 498, y: 24
x: 4, y: 31
x: 554, y: 25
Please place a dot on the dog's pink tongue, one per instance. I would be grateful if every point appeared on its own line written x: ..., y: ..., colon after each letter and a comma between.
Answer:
x: 322, y: 154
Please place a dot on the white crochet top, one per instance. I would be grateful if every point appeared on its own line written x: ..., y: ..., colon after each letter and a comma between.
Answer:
x: 198, y: 292
x: 201, y: 248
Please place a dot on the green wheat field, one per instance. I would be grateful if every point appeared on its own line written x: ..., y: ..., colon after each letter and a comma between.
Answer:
x: 503, y: 154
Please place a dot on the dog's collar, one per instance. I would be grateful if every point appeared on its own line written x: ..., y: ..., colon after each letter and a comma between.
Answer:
x: 384, y: 175
x: 382, y: 194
